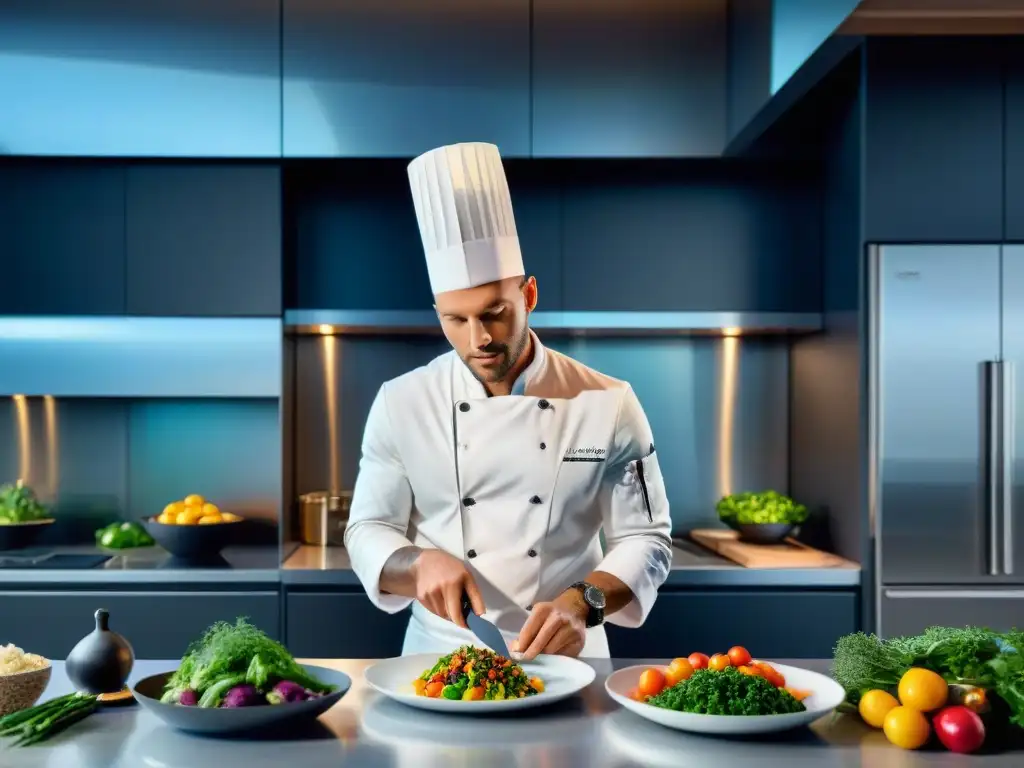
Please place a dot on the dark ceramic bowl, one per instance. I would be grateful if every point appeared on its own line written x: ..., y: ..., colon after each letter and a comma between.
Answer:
x: 243, y: 719
x: 762, y: 533
x: 192, y: 542
x: 21, y: 535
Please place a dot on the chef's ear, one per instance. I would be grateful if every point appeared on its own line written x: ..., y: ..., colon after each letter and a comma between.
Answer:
x: 529, y: 287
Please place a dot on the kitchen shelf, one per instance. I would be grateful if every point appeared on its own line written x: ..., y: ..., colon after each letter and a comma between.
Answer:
x: 123, y: 356
x: 573, y: 323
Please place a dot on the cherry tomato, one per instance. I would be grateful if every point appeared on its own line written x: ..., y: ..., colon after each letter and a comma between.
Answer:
x: 754, y: 671
x: 698, y: 661
x: 976, y: 700
x: 718, y: 662
x: 906, y: 728
x: 875, y: 705
x: 739, y: 656
x: 635, y: 695
x: 433, y: 690
x: 652, y: 682
x: 959, y: 729
x: 678, y: 670
x: 923, y: 690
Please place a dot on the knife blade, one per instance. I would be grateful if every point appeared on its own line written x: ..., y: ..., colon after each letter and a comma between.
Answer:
x: 485, y: 631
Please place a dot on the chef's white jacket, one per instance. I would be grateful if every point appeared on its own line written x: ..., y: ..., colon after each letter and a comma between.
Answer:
x: 519, y: 487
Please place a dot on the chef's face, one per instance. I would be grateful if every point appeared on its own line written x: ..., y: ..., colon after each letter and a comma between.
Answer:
x: 487, y: 325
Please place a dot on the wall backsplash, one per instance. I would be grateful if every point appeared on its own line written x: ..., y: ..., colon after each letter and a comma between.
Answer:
x: 98, y: 460
x: 718, y: 407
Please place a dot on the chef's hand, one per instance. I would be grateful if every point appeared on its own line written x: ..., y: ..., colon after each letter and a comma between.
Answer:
x: 558, y: 627
x: 441, y: 581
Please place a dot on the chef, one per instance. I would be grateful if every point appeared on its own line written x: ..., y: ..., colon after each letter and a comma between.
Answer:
x: 492, y: 470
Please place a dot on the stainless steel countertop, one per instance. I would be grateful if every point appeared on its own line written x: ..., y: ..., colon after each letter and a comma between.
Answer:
x: 692, y: 566
x: 296, y: 565
x: 153, y: 565
x: 369, y: 731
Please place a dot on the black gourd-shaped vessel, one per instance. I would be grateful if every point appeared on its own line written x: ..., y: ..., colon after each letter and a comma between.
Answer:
x: 101, y: 661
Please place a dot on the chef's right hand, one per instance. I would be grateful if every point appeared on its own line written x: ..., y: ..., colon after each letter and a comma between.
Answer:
x: 441, y: 580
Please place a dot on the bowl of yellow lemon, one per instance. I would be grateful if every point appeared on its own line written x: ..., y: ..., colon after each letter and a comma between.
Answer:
x: 193, y: 528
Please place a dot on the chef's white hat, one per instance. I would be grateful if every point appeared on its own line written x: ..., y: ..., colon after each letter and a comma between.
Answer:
x: 464, y: 211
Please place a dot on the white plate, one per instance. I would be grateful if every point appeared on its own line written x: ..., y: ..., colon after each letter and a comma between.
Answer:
x: 563, y: 677
x: 826, y: 695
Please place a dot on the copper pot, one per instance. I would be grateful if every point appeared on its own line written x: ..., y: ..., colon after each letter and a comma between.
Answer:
x: 323, y: 517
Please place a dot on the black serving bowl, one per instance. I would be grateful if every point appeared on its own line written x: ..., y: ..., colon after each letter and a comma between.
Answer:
x: 762, y: 533
x: 21, y: 535
x: 193, y: 542
x: 214, y: 720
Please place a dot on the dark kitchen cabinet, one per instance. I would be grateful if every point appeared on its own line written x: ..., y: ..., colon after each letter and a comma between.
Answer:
x: 357, y: 244
x: 204, y: 240
x: 341, y: 625
x: 182, y: 78
x: 933, y: 141
x: 682, y: 622
x: 159, y: 625
x: 1014, y: 202
x: 640, y: 79
x: 657, y: 239
x: 62, y: 238
x: 386, y: 78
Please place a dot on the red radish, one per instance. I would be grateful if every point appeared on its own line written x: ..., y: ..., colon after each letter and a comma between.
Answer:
x: 959, y: 729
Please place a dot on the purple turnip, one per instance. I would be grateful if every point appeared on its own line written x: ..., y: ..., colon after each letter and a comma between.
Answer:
x: 188, y: 698
x: 287, y: 692
x: 243, y: 695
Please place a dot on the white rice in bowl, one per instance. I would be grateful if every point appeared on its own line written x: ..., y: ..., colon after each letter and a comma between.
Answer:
x: 14, y: 661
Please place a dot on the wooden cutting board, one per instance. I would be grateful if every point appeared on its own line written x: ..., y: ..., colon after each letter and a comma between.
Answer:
x: 787, y: 554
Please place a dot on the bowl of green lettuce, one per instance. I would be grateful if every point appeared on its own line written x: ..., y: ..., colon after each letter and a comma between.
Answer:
x: 22, y: 517
x: 765, y: 517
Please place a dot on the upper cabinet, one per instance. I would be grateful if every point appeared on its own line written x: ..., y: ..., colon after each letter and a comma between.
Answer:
x: 62, y: 239
x: 158, y: 78
x: 394, y: 78
x: 664, y: 238
x: 637, y: 79
x: 1015, y: 141
x: 204, y: 240
x: 355, y: 245
x: 933, y: 140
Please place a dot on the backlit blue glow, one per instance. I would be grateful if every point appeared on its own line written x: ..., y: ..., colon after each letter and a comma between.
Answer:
x: 798, y: 28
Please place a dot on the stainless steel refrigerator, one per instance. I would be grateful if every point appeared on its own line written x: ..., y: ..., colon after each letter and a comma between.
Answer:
x: 946, y: 463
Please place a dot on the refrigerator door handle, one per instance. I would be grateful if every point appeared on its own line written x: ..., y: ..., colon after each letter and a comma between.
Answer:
x: 990, y: 488
x: 1007, y: 449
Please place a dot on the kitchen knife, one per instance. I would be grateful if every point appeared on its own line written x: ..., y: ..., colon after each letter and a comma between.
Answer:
x: 485, y: 631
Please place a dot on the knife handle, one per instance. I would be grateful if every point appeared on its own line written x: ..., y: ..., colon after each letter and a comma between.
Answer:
x: 467, y: 606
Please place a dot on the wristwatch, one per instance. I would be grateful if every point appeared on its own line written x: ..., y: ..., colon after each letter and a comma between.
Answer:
x: 594, y: 598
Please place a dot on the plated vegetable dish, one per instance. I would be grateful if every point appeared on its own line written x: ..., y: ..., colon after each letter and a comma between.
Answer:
x: 476, y: 674
x: 724, y: 684
x: 238, y: 665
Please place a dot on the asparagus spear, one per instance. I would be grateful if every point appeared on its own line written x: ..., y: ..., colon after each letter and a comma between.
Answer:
x: 37, y: 723
x: 57, y: 722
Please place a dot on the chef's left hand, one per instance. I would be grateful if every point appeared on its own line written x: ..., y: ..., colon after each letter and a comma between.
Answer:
x: 558, y: 627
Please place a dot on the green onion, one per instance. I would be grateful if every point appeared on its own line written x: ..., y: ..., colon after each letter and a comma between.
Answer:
x: 38, y: 723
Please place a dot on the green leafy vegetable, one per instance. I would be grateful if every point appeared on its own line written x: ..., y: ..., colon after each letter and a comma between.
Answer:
x: 18, y: 504
x: 125, y: 535
x: 36, y: 724
x: 750, y: 508
x: 230, y: 654
x: 962, y: 655
x: 728, y: 692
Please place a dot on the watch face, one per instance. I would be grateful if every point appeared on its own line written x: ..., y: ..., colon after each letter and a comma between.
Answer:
x: 595, y: 597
